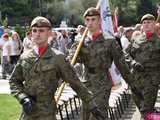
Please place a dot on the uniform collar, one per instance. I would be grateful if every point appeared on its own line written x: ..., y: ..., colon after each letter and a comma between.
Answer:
x: 150, y: 36
x: 46, y: 54
x: 94, y: 36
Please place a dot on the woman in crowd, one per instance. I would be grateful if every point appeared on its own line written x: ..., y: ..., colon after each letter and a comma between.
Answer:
x: 16, y: 47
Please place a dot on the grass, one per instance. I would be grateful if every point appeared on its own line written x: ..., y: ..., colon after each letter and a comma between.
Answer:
x: 9, y: 107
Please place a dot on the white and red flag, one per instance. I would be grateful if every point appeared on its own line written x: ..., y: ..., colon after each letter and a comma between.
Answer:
x: 108, y: 32
x: 115, y: 20
x: 106, y: 19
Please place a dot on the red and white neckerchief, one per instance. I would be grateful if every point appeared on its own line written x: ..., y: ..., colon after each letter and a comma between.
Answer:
x: 42, y: 50
x: 95, y: 35
x: 149, y: 36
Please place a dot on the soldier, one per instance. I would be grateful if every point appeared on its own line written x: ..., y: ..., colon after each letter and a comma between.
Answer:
x: 36, y: 75
x: 97, y: 55
x: 145, y: 50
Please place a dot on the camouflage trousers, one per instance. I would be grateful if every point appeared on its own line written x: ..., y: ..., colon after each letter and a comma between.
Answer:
x: 102, y: 102
x: 148, y: 83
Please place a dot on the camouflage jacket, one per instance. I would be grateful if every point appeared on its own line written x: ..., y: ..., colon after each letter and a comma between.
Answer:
x: 97, y: 57
x: 37, y: 77
x: 146, y: 52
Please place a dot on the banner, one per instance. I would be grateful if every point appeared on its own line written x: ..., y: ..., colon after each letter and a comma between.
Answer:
x: 115, y: 20
x: 115, y: 75
x: 106, y: 19
x: 108, y: 32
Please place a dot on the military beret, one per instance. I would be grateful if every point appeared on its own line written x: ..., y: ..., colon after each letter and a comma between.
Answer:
x: 40, y: 22
x: 91, y: 12
x: 147, y: 17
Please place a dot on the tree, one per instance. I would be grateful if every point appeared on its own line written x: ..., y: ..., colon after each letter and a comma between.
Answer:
x: 23, y: 11
x: 144, y: 7
x: 5, y: 22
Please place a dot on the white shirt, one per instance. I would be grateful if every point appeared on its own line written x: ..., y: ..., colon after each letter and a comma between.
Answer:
x: 2, y: 42
x: 15, y: 47
x: 124, y: 42
x: 27, y: 44
x: 5, y: 50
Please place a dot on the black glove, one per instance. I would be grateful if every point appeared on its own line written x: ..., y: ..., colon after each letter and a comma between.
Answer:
x: 138, y: 67
x: 27, y: 105
x: 97, y: 114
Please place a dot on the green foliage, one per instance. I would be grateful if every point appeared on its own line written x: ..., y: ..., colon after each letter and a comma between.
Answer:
x: 89, y: 3
x: 144, y: 7
x: 20, y: 31
x: 5, y: 22
x: 23, y: 11
x: 10, y: 108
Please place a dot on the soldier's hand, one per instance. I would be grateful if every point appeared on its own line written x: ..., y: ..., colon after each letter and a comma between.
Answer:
x: 97, y: 113
x: 27, y: 105
x: 138, y: 67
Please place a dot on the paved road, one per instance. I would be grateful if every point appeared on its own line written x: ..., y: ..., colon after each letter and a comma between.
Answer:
x: 4, y: 86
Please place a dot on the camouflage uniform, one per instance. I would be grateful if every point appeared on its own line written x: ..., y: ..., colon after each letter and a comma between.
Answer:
x: 147, y: 53
x: 37, y: 78
x: 97, y: 57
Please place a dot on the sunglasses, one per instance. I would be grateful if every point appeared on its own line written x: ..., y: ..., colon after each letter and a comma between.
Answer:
x: 39, y: 30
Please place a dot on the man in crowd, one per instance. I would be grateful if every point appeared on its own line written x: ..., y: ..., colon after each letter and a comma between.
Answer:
x: 36, y: 75
x: 27, y: 42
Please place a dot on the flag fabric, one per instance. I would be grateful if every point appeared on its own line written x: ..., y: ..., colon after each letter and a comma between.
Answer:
x: 115, y: 75
x: 115, y: 20
x: 108, y: 32
x: 106, y: 19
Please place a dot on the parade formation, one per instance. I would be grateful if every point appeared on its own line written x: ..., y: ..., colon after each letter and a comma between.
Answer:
x: 47, y: 60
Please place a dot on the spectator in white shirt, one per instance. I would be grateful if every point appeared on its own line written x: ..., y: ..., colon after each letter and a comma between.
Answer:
x: 6, y: 51
x: 16, y: 47
x: 126, y: 37
x: 27, y: 42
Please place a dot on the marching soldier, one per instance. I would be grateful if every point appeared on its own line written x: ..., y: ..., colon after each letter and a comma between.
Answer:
x: 97, y: 55
x: 36, y: 75
x: 145, y: 50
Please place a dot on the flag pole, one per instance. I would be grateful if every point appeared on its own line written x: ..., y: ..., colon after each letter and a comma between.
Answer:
x: 73, y: 61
